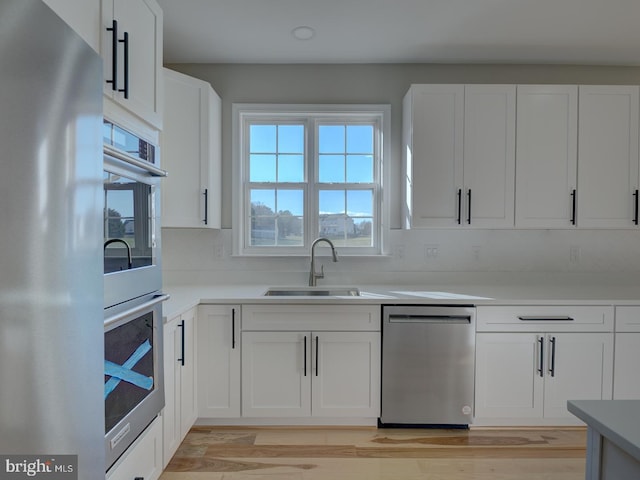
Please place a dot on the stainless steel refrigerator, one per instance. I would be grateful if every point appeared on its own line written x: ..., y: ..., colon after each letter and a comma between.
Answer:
x: 51, y: 278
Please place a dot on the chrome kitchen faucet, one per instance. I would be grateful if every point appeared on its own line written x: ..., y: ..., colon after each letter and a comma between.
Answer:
x: 313, y: 275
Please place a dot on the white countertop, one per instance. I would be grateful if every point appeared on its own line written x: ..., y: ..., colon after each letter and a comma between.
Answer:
x: 616, y: 420
x: 184, y: 297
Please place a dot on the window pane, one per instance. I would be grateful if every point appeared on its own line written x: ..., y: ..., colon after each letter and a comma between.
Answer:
x: 290, y: 202
x: 363, y: 233
x: 360, y: 139
x: 331, y: 169
x: 262, y: 168
x: 263, y: 202
x: 331, y: 138
x: 359, y: 168
x: 290, y: 168
x: 331, y: 202
x: 263, y: 231
x: 262, y: 138
x: 360, y: 203
x: 291, y: 139
x: 335, y: 227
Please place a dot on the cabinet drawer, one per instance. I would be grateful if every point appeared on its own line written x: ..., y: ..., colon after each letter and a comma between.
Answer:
x: 311, y: 317
x: 562, y: 318
x: 628, y: 319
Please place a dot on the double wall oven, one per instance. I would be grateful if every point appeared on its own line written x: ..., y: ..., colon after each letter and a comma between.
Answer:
x: 133, y: 390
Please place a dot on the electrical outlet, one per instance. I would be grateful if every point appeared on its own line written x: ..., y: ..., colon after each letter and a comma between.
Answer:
x: 475, y: 253
x: 398, y: 252
x: 218, y: 251
x: 574, y: 254
x: 430, y: 251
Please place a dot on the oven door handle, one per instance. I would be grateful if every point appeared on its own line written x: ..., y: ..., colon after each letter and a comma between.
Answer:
x: 137, y: 309
x: 124, y: 157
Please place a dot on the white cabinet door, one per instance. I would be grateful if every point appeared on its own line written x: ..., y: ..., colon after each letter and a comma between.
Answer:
x: 191, y: 140
x: 276, y: 374
x: 489, y: 155
x: 219, y: 361
x: 143, y: 459
x: 608, y: 156
x: 433, y: 128
x: 81, y: 15
x: 138, y: 62
x: 579, y: 366
x: 188, y: 386
x: 509, y: 382
x: 546, y: 155
x: 626, y: 383
x: 346, y: 374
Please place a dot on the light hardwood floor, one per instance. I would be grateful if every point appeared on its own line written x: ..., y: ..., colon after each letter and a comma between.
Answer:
x: 217, y: 453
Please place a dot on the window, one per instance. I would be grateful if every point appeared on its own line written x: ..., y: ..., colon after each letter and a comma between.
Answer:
x: 308, y: 172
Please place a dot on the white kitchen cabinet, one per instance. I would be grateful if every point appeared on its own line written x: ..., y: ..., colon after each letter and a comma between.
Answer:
x: 191, y: 140
x: 133, y: 58
x: 81, y: 15
x: 459, y: 148
x: 626, y: 377
x: 546, y: 156
x: 295, y: 365
x: 608, y: 157
x: 219, y: 361
x: 143, y: 459
x: 526, y: 377
x: 180, y: 411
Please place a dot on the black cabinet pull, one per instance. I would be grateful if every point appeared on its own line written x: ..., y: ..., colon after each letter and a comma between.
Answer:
x: 317, y: 366
x: 541, y: 357
x: 181, y: 359
x: 125, y: 90
x: 552, y: 367
x: 469, y: 207
x: 114, y: 56
x: 573, y: 207
x: 305, y: 355
x: 233, y: 328
x: 635, y: 214
x: 206, y: 206
x: 459, y: 206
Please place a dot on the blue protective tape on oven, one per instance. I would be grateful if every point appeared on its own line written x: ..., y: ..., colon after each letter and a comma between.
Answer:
x: 114, y: 381
x: 128, y: 375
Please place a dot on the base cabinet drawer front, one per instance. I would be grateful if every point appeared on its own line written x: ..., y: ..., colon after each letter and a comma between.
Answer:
x: 628, y: 319
x: 143, y: 459
x: 544, y: 318
x: 626, y: 378
x: 311, y: 317
x: 527, y: 378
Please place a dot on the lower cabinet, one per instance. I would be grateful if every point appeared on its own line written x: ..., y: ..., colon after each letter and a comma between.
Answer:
x: 143, y: 459
x: 288, y: 372
x: 526, y: 378
x: 180, y: 411
x: 219, y: 361
x: 626, y: 379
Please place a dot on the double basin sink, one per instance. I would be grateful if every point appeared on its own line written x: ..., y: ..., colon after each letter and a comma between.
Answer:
x: 312, y: 292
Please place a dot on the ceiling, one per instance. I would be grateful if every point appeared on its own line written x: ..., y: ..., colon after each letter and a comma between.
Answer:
x: 603, y: 32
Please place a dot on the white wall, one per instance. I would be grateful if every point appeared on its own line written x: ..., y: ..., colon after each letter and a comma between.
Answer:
x: 205, y: 256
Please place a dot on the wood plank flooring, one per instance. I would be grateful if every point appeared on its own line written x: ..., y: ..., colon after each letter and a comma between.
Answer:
x: 313, y: 453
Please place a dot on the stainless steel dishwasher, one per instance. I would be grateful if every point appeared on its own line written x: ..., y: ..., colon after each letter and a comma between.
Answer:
x: 428, y: 361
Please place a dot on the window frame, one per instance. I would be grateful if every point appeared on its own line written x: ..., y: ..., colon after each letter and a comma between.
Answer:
x: 311, y: 116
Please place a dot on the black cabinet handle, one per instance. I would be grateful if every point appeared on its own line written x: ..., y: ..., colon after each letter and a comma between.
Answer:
x: 305, y: 355
x: 573, y: 207
x: 114, y: 56
x: 541, y: 357
x: 469, y: 207
x: 635, y: 214
x: 552, y: 368
x: 125, y: 90
x: 459, y: 206
x: 206, y: 206
x: 181, y: 359
x: 317, y: 365
x: 233, y: 328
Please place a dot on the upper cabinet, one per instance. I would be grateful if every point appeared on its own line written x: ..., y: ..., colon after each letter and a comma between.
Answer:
x: 459, y: 155
x: 191, y: 144
x: 132, y: 51
x: 608, y: 156
x: 81, y: 15
x: 546, y: 178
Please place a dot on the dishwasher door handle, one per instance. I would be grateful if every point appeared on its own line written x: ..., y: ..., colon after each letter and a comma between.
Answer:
x: 444, y: 319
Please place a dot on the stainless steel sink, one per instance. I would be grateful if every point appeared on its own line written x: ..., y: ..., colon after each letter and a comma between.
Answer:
x: 312, y: 292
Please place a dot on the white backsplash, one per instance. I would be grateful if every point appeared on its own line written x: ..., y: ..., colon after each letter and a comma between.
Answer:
x: 193, y: 256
